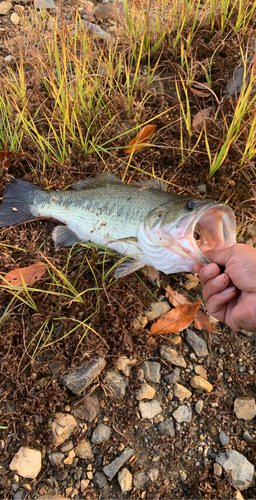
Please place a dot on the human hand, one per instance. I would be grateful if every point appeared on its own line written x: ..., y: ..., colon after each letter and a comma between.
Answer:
x: 231, y: 297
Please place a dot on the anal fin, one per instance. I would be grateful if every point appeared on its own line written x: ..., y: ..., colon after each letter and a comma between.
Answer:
x: 128, y: 266
x: 64, y: 237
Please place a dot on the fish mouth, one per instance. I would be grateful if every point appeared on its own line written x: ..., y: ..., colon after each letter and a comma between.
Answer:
x: 216, y: 226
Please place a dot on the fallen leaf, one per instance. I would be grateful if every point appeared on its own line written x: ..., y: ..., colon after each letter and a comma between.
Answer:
x: 6, y: 158
x: 141, y: 139
x: 200, y: 89
x: 200, y: 118
x: 192, y: 281
x: 175, y: 320
x: 28, y: 275
x: 201, y: 321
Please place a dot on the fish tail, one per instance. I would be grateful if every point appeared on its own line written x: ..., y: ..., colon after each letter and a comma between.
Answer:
x: 18, y: 200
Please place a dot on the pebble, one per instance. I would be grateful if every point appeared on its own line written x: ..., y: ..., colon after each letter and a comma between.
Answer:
x: 112, y: 469
x: 152, y: 371
x: 183, y: 414
x: 69, y: 459
x: 107, y: 10
x: 196, y: 343
x: 245, y: 408
x: 181, y: 392
x: 125, y: 480
x: 19, y: 494
x: 172, y: 356
x: 125, y: 364
x: 153, y: 474
x: 200, y: 383
x: 199, y: 406
x: 56, y: 458
x: 237, y: 495
x: 62, y: 428
x: 167, y: 427
x: 99, y: 480
x: 172, y: 377
x: 157, y: 310
x: 94, y: 28
x: 83, y: 450
x: 116, y: 383
x: 247, y: 437
x: 67, y: 447
x: 217, y: 469
x: 149, y: 409
x: 200, y: 370
x: 26, y: 462
x: 10, y: 59
x: 15, y: 19
x: 45, y: 4
x: 242, y: 469
x: 5, y: 7
x: 83, y: 376
x: 176, y: 340
x: 84, y: 484
x: 145, y: 392
x: 224, y: 438
x: 88, y: 409
x: 101, y: 433
x: 141, y: 480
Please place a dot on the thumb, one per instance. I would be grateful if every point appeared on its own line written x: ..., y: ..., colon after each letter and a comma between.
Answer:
x: 220, y: 256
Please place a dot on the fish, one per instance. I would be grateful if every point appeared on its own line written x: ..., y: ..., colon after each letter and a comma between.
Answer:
x: 144, y: 223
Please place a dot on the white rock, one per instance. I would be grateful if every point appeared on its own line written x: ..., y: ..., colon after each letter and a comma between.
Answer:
x: 181, y: 392
x: 145, y: 392
x: 5, y: 7
x: 245, y: 408
x: 62, y: 428
x: 27, y: 462
x: 125, y: 479
x: 15, y: 19
x: 150, y: 409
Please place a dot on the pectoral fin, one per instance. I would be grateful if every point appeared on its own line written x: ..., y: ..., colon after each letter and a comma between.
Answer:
x: 128, y: 266
x: 64, y: 237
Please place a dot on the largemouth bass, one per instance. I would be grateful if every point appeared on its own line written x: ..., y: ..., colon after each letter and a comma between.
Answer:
x: 149, y: 226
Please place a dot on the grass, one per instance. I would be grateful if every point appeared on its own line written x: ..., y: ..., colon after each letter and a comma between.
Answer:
x: 73, y: 102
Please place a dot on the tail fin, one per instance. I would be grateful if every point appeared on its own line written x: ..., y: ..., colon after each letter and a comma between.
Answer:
x: 16, y: 206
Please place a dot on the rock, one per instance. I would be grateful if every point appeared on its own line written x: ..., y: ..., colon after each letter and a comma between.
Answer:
x: 116, y: 383
x: 196, y: 343
x: 87, y: 409
x: 152, y: 371
x: 125, y: 479
x: 224, y: 438
x: 172, y: 377
x: 153, y: 474
x: 94, y: 28
x: 145, y: 392
x: 183, y: 414
x: 56, y: 458
x: 83, y: 450
x: 217, y: 469
x: 99, y: 480
x: 107, y: 10
x: 176, y: 340
x: 62, y: 428
x: 167, y: 427
x: 69, y: 459
x: 245, y: 408
x: 247, y: 437
x: 199, y: 406
x: 57, y: 496
x: 149, y: 409
x: 200, y: 383
x: 27, y: 462
x: 237, y: 495
x: 141, y: 480
x: 140, y: 321
x: 5, y: 7
x: 15, y: 19
x: 19, y: 9
x: 124, y: 365
x: 67, y: 447
x: 172, y: 356
x: 83, y: 376
x: 45, y: 4
x: 242, y: 469
x: 181, y: 392
x: 200, y: 370
x: 19, y: 495
x: 111, y: 469
x: 158, y: 309
x: 156, y: 85
x: 10, y: 59
x: 101, y: 433
x: 84, y: 484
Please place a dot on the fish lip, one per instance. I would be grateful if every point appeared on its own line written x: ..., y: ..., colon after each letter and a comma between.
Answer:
x: 190, y: 229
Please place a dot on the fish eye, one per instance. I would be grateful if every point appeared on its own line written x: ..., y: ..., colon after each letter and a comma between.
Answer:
x: 190, y: 205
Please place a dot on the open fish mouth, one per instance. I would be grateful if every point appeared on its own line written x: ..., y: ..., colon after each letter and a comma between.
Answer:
x: 216, y: 226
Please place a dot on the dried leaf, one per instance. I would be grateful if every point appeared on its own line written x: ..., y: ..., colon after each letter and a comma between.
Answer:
x: 141, y: 139
x: 175, y: 320
x: 28, y: 275
x: 200, y: 89
x: 192, y: 281
x: 6, y: 158
x: 201, y: 321
x: 200, y: 118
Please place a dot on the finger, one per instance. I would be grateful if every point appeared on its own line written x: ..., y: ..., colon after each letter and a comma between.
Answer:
x: 216, y: 302
x: 197, y: 267
x: 208, y: 272
x: 220, y: 256
x: 216, y: 285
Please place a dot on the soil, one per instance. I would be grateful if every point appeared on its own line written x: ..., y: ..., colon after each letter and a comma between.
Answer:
x: 31, y: 390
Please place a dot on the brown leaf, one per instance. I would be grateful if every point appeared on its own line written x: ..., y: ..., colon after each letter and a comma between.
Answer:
x: 175, y: 320
x: 192, y: 281
x: 6, y: 158
x: 28, y: 275
x: 141, y: 139
x: 200, y: 118
x: 200, y: 89
x: 202, y: 323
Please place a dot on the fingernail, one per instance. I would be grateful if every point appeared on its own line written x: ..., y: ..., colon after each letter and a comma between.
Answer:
x: 219, y: 279
x: 229, y: 290
x: 208, y: 270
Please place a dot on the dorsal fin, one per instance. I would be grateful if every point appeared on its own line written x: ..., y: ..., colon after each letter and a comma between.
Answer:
x: 154, y: 183
x: 90, y: 182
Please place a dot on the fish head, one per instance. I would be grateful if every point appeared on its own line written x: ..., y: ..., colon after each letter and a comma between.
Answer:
x: 172, y: 234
